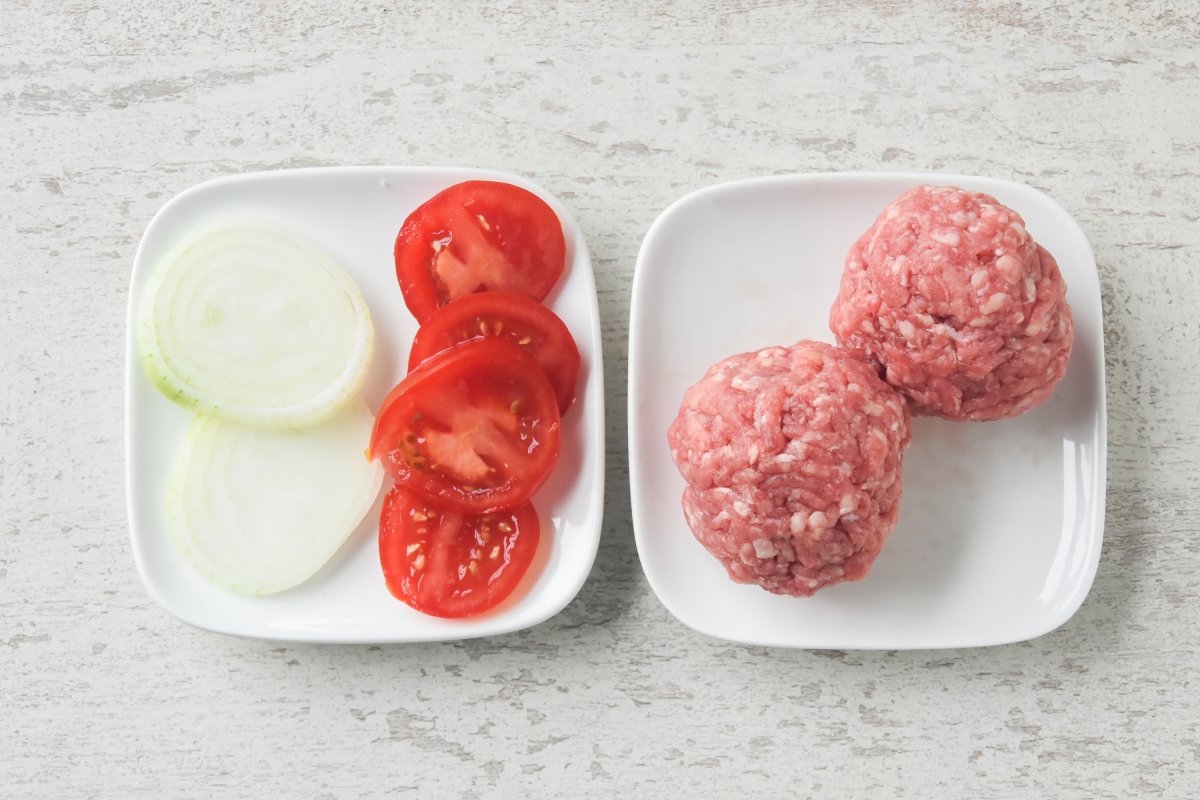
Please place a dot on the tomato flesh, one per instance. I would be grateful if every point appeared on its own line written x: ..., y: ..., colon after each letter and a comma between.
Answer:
x: 449, y: 564
x: 475, y: 428
x: 478, y: 236
x: 522, y: 321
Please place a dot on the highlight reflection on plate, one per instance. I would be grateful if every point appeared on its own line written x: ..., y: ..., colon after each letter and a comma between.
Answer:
x: 1001, y: 523
x: 354, y: 214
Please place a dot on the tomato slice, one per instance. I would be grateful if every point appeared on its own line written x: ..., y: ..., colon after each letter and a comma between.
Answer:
x: 448, y: 564
x: 478, y: 236
x: 476, y: 427
x: 515, y: 317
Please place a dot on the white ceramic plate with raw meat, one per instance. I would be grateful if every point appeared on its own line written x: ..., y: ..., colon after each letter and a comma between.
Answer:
x: 353, y: 213
x: 1000, y: 524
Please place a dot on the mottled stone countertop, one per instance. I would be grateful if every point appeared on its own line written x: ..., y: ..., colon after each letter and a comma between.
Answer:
x: 108, y: 109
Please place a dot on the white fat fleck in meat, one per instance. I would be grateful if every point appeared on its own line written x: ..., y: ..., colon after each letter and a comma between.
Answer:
x: 1009, y: 267
x: 764, y: 548
x: 906, y: 328
x: 741, y: 509
x: 848, y: 504
x: 994, y: 303
x: 766, y: 358
x: 947, y: 237
x: 941, y: 329
x: 797, y: 522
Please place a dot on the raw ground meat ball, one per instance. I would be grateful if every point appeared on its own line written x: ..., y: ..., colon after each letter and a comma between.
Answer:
x: 792, y: 457
x: 951, y: 297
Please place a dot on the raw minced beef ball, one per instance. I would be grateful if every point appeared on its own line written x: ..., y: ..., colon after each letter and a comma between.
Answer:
x: 949, y: 295
x: 792, y: 457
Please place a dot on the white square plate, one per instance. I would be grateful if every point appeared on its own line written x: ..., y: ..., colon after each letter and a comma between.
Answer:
x: 354, y: 214
x: 1001, y: 523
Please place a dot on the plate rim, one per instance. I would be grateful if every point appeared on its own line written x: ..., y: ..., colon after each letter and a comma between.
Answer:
x: 634, y: 357
x: 594, y: 439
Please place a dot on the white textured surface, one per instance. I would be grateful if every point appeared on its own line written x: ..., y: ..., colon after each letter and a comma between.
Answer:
x: 108, y: 109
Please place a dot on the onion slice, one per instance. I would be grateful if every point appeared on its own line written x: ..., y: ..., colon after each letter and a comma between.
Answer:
x: 250, y: 323
x: 260, y: 510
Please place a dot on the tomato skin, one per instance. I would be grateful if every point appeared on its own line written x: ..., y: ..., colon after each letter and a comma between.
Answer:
x: 475, y: 428
x: 521, y: 320
x: 478, y: 236
x: 447, y: 564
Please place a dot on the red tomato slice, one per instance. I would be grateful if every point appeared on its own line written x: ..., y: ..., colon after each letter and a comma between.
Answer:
x: 515, y: 317
x: 476, y: 427
x: 478, y: 236
x: 448, y: 564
